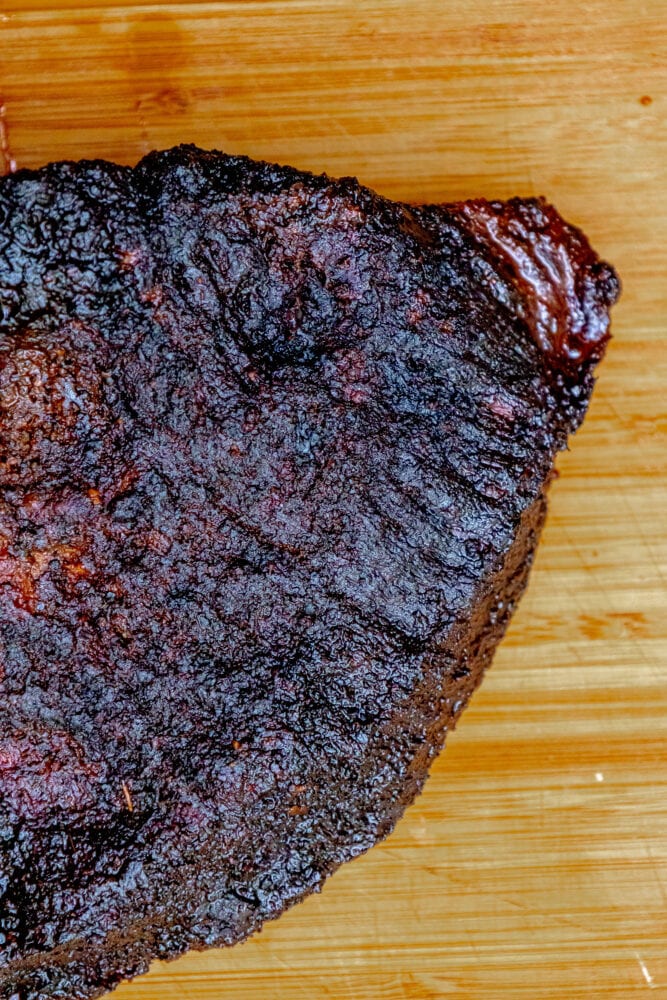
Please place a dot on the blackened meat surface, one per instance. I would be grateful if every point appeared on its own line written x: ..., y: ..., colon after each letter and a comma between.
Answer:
x: 273, y: 456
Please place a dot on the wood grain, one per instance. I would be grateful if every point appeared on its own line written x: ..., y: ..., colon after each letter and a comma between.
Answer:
x: 535, y: 863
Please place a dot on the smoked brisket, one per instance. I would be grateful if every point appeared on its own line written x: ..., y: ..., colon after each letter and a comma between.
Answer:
x: 273, y: 461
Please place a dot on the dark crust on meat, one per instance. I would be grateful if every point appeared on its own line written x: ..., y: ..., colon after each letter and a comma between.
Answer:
x: 273, y: 469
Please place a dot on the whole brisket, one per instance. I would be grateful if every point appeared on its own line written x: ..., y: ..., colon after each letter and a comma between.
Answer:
x: 273, y: 461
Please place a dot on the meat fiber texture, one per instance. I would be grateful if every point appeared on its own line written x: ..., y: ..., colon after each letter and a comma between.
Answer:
x: 273, y: 461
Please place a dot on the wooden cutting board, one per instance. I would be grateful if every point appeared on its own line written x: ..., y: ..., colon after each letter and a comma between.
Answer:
x: 535, y: 863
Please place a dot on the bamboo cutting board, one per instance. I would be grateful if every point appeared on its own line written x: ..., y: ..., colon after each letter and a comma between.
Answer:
x: 535, y: 863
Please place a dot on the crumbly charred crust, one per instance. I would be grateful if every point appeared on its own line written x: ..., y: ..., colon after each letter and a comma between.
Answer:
x: 273, y: 460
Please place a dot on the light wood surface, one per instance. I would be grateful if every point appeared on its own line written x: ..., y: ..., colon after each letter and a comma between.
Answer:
x: 535, y: 863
